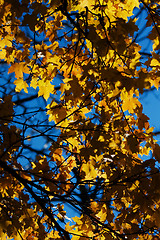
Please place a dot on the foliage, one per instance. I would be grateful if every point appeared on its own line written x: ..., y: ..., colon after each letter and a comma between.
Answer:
x: 83, y: 60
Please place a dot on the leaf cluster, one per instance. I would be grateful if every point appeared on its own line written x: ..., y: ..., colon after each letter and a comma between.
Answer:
x: 72, y: 129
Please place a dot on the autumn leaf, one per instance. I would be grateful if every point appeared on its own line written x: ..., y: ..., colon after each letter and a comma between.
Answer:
x: 45, y: 89
x: 130, y: 102
x: 19, y: 69
x: 21, y: 84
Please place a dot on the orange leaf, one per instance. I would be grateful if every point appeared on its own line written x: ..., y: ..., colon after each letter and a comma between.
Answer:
x: 19, y: 69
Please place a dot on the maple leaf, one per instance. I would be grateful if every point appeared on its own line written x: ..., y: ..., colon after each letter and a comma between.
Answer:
x: 45, y: 89
x: 129, y: 101
x: 21, y: 84
x: 19, y: 69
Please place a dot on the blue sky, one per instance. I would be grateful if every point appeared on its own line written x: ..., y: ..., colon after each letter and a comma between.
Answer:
x: 150, y: 99
x: 151, y: 107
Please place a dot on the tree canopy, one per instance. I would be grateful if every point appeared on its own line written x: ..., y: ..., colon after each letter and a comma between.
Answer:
x: 73, y: 132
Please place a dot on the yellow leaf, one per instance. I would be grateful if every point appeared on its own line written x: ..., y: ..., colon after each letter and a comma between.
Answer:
x: 45, y: 88
x: 68, y: 228
x: 19, y: 69
x: 130, y: 102
x: 134, y: 185
x: 6, y: 41
x: 102, y: 214
x: 156, y: 44
x: 77, y: 220
x: 89, y: 170
x: 20, y: 84
x: 2, y: 54
x: 73, y: 142
x: 126, y: 226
